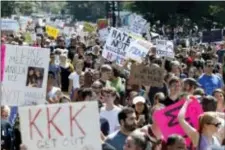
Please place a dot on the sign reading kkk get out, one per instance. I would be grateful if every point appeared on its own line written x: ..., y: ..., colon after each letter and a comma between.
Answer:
x: 61, y: 126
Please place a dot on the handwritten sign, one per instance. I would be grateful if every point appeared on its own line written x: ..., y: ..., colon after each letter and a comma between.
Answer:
x: 103, y: 34
x: 61, y: 126
x: 165, y: 48
x: 138, y: 50
x: 9, y: 25
x: 51, y: 31
x: 167, y: 120
x: 146, y: 75
x: 116, y: 46
x: 89, y: 27
x: 138, y: 24
x: 102, y: 23
x: 68, y: 31
x: 25, y: 75
x: 2, y: 61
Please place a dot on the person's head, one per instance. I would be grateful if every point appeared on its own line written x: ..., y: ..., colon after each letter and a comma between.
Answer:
x: 137, y: 140
x: 208, y: 67
x: 209, y: 103
x: 31, y: 72
x: 96, y: 75
x: 175, y: 67
x: 108, y: 95
x: 87, y: 94
x: 80, y: 51
x: 37, y: 72
x: 139, y: 103
x: 61, y: 42
x: 127, y: 119
x: 106, y: 72
x: 219, y: 95
x: 5, y: 112
x: 88, y: 78
x: 97, y: 87
x: 176, y: 142
x: 174, y: 85
x: 189, y: 85
x: 159, y: 97
x: 168, y: 77
x: 51, y: 78
x: 115, y: 72
x: 209, y: 123
x: 130, y: 97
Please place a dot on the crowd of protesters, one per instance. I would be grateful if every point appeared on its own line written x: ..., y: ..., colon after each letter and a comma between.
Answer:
x: 77, y: 72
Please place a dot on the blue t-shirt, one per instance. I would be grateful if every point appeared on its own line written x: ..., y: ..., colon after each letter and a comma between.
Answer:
x: 210, y: 83
x: 117, y: 140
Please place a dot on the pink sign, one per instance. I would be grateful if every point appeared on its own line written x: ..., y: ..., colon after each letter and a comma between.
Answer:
x: 168, y: 122
x: 2, y: 67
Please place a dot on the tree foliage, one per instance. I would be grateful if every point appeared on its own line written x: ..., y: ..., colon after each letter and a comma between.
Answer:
x: 203, y: 13
x: 7, y: 8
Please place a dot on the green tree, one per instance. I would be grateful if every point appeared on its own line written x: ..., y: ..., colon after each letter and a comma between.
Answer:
x: 7, y: 8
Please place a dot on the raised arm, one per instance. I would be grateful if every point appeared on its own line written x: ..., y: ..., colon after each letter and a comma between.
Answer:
x: 189, y: 130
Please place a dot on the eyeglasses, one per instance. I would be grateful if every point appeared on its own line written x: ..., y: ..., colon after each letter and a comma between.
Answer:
x: 217, y: 125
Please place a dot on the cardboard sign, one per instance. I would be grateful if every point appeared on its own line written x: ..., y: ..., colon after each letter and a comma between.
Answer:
x: 103, y: 34
x: 61, y: 126
x: 102, y: 23
x: 116, y: 46
x: 146, y: 75
x: 167, y: 120
x: 165, y: 48
x: 25, y: 75
x: 51, y: 31
x: 138, y: 24
x: 9, y: 25
x: 88, y: 27
x: 138, y: 50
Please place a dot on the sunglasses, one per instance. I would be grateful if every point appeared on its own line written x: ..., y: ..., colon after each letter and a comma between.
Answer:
x: 217, y: 125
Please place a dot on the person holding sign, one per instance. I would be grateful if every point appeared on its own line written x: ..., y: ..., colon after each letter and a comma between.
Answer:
x: 209, y: 132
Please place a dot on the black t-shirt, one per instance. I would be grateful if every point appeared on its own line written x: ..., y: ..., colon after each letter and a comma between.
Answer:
x: 168, y: 101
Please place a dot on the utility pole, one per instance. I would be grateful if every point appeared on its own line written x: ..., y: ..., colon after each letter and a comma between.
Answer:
x: 113, y: 14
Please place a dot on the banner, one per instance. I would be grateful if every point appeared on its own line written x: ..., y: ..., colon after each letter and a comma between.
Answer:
x: 89, y: 27
x: 51, y: 31
x: 9, y: 25
x: 165, y: 48
x: 116, y: 46
x: 138, y: 50
x: 212, y: 36
x: 146, y: 75
x: 61, y: 126
x: 102, y: 23
x: 138, y: 24
x: 25, y: 75
x: 167, y: 120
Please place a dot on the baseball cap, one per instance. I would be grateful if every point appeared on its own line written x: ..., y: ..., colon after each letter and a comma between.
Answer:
x: 139, y: 99
x: 191, y: 81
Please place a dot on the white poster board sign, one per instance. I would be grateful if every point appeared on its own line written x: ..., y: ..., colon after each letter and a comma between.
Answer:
x: 138, y: 24
x: 25, y: 75
x: 68, y: 31
x: 138, y: 50
x: 116, y: 46
x: 61, y: 126
x: 165, y: 48
x: 103, y: 34
x: 9, y: 25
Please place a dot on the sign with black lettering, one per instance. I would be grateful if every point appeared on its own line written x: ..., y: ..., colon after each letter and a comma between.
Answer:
x: 165, y: 48
x: 61, y: 126
x: 116, y: 46
x: 25, y: 75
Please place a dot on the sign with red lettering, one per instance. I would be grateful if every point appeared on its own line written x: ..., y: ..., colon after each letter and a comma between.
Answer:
x: 167, y: 120
x: 61, y: 126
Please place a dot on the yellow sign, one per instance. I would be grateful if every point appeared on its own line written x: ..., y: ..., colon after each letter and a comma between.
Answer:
x: 51, y: 31
x: 88, y: 27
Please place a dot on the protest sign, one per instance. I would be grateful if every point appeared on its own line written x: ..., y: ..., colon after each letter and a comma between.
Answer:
x: 103, y: 34
x: 25, y: 75
x: 165, y: 48
x: 89, y: 27
x: 9, y: 25
x: 116, y: 46
x: 212, y: 36
x: 102, y: 23
x: 167, y: 120
x: 52, y: 31
x: 68, y: 31
x: 146, y: 75
x: 138, y: 24
x: 61, y: 126
x: 138, y: 50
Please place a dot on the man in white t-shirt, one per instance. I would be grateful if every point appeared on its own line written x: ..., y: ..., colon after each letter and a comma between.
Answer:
x: 110, y: 111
